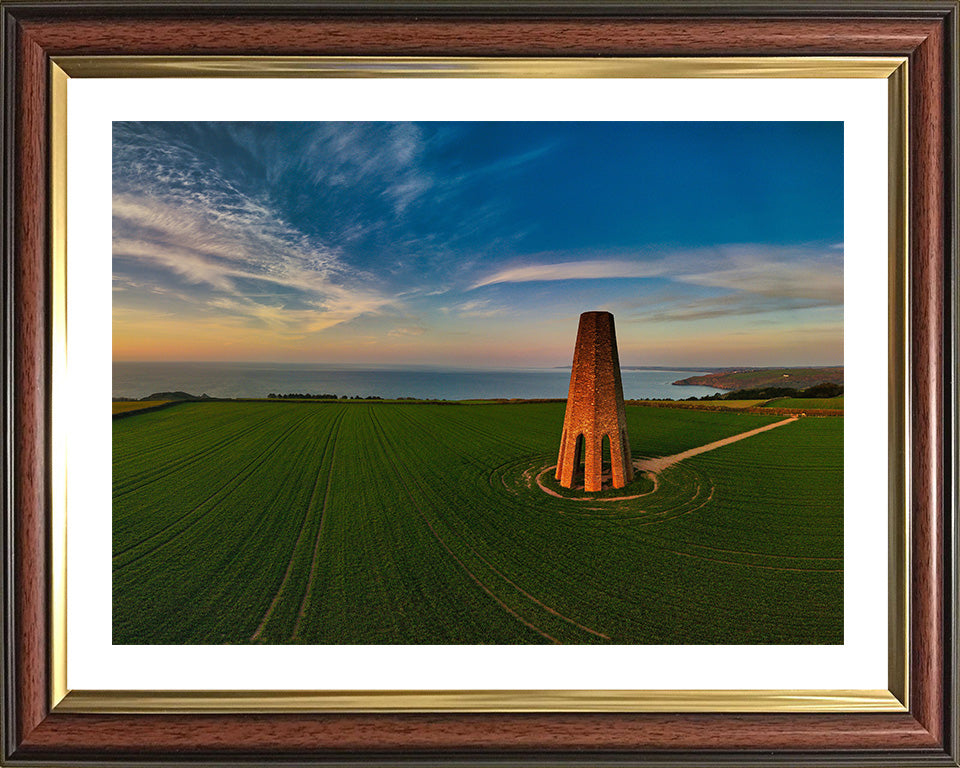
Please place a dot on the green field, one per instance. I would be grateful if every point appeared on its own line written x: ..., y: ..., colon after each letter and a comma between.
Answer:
x: 809, y: 403
x: 379, y: 523
x: 126, y: 406
x: 705, y: 404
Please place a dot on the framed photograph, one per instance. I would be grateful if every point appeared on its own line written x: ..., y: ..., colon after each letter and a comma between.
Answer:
x: 543, y: 383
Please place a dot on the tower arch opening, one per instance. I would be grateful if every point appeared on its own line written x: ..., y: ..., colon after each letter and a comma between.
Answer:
x: 578, y: 459
x: 605, y: 456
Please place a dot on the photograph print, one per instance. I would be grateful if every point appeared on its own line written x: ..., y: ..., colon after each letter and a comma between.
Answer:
x: 477, y: 383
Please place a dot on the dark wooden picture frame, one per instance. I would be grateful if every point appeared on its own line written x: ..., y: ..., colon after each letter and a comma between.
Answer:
x: 924, y: 32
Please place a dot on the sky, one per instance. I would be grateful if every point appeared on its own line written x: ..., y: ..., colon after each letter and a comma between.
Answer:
x: 479, y: 244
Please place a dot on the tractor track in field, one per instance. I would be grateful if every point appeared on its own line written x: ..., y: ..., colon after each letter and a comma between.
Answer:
x: 750, y: 565
x: 496, y: 473
x: 532, y: 599
x: 160, y: 473
x: 255, y: 534
x: 381, y: 436
x: 303, y: 527
x: 482, y: 466
x: 666, y: 515
x: 470, y: 427
x: 762, y: 554
x: 507, y: 579
x: 252, y: 466
x: 181, y: 437
x: 316, y: 544
x: 493, y: 436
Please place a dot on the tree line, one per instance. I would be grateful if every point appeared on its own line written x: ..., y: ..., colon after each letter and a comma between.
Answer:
x: 817, y: 391
x: 324, y: 396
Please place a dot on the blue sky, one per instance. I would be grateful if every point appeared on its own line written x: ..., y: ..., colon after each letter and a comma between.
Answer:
x: 477, y: 244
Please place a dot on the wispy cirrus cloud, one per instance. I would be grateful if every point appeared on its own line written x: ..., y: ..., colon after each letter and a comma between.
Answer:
x: 477, y: 308
x: 741, y: 279
x: 407, y: 330
x: 352, y: 155
x: 507, y: 164
x: 230, y: 252
x: 680, y: 309
x: 571, y: 270
x: 204, y: 242
x: 773, y: 272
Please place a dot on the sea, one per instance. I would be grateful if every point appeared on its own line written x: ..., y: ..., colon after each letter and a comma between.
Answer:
x: 137, y: 380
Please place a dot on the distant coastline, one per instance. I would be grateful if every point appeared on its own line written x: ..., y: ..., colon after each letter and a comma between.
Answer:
x: 752, y: 378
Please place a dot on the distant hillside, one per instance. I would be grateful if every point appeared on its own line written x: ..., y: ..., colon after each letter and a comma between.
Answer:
x: 755, y: 378
x: 178, y: 395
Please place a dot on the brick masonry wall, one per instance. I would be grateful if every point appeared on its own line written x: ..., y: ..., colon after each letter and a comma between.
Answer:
x: 595, y: 408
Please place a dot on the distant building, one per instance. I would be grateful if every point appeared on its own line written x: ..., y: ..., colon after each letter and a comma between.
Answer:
x: 595, y: 408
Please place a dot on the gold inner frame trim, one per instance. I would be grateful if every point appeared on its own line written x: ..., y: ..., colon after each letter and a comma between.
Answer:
x: 893, y: 69
x: 58, y: 369
x: 898, y: 383
x: 433, y: 66
x: 232, y: 702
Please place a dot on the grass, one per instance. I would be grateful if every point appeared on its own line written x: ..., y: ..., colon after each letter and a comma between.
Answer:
x: 126, y: 406
x: 808, y: 403
x: 372, y: 523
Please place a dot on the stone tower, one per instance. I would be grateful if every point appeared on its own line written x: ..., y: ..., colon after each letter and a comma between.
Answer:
x: 595, y: 408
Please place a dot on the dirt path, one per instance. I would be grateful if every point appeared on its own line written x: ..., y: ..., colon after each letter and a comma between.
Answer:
x: 656, y: 484
x: 660, y: 464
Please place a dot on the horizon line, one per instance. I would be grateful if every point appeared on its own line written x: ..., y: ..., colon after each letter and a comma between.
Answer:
x: 678, y: 366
